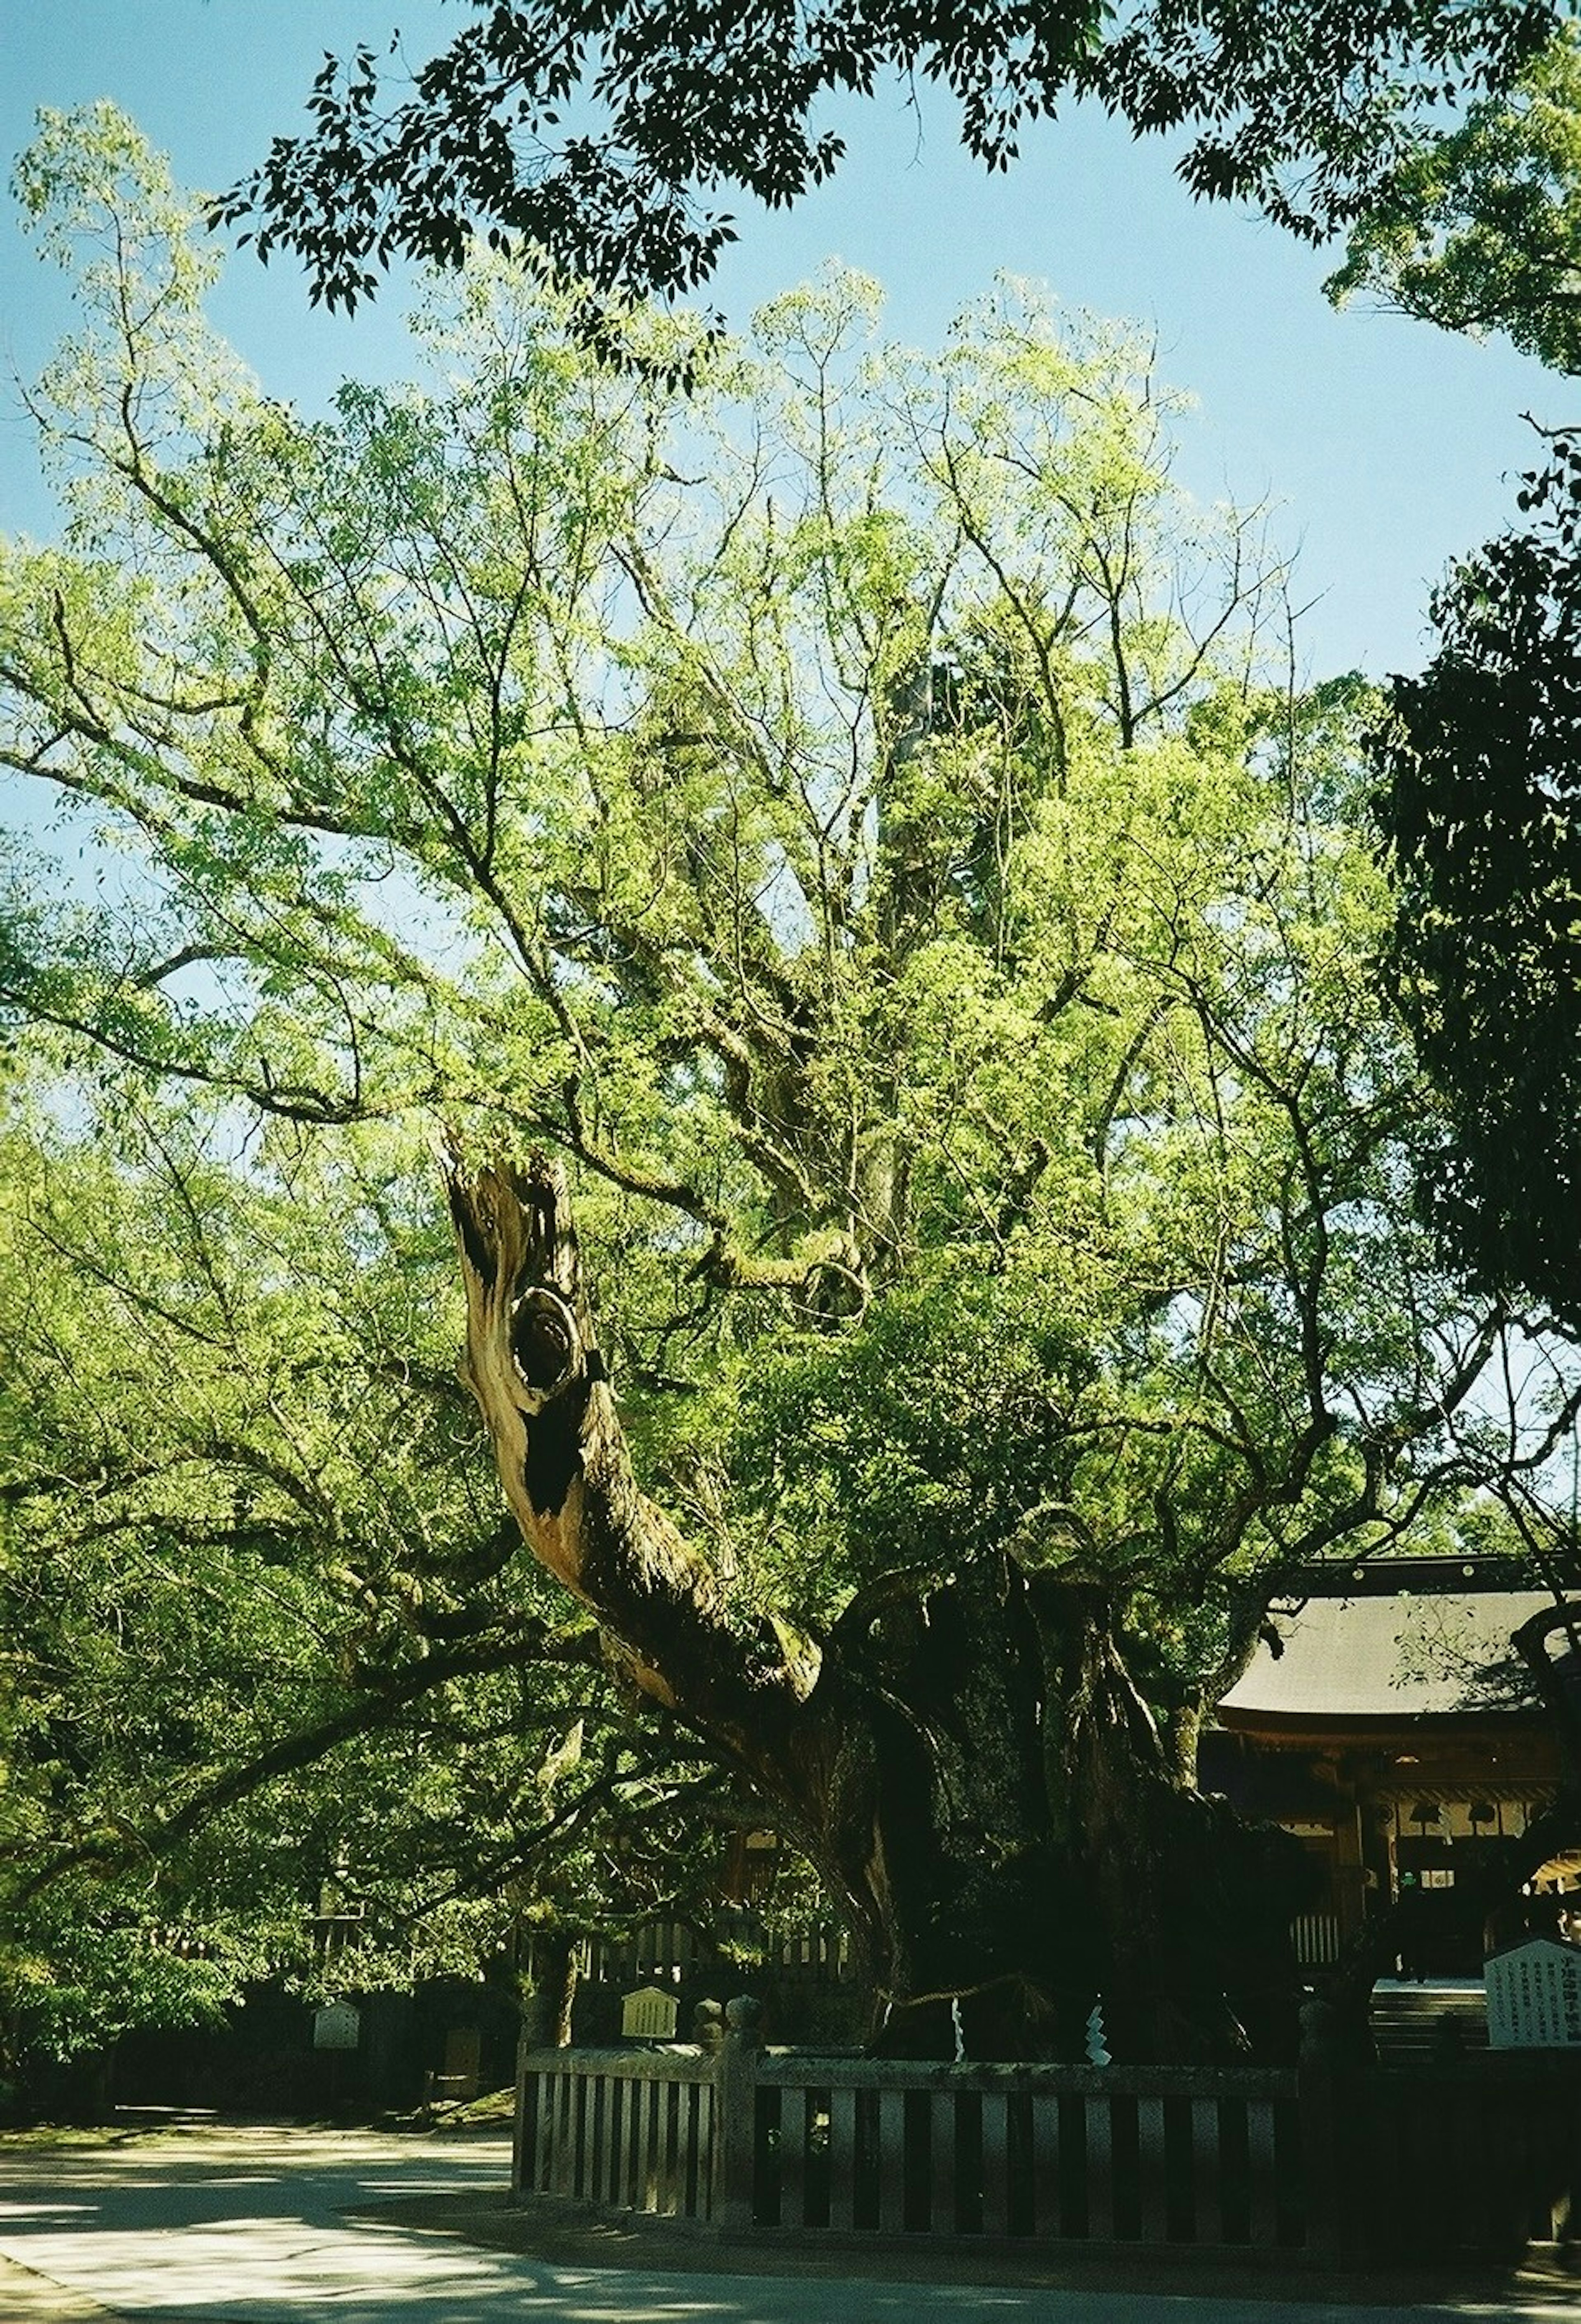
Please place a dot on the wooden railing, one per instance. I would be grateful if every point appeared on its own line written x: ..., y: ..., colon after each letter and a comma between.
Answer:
x: 620, y: 2130
x: 1316, y: 1939
x: 1068, y: 2154
x: 1482, y: 2154
x: 669, y: 1952
x: 756, y: 2142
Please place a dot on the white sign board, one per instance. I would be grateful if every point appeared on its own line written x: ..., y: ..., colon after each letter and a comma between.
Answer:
x: 648, y: 2015
x: 337, y: 2028
x: 1534, y: 1996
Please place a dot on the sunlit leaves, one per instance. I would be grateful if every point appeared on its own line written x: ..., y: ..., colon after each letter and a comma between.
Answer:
x: 1479, y: 229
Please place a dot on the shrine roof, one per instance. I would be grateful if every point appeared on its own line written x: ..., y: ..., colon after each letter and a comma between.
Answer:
x: 1408, y: 1654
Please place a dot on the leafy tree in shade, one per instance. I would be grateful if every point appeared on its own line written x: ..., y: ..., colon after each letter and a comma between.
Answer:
x: 599, y: 136
x: 1479, y: 799
x: 1477, y: 760
x: 845, y: 832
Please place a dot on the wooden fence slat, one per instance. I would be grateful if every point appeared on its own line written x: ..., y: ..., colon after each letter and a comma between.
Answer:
x: 631, y: 2162
x: 620, y: 2160
x: 1047, y: 2210
x: 1100, y: 2170
x: 608, y: 2091
x: 691, y: 2153
x: 651, y: 2132
x: 1477, y: 2189
x: 535, y: 2104
x: 1207, y: 2192
x: 668, y: 2095
x: 678, y: 2100
x: 1152, y: 2174
x: 530, y: 2116
x: 630, y: 2192
x: 843, y: 2160
x: 709, y: 2150
x: 615, y: 2131
x: 1540, y: 2213
x: 548, y: 2111
x: 621, y: 2146
x: 796, y: 2130
x: 995, y: 2164
x: 564, y: 2179
x: 595, y: 2135
x: 891, y: 2162
x: 653, y: 2147
x: 1262, y: 2203
x: 580, y: 2183
x: 941, y: 2163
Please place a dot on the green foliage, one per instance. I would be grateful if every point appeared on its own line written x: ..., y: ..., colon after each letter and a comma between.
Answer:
x: 74, y: 1978
x: 1477, y: 767
x: 278, y: 1679
x: 1480, y: 228
x: 594, y: 142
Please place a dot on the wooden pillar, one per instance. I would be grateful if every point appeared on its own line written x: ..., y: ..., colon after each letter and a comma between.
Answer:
x: 526, y: 2120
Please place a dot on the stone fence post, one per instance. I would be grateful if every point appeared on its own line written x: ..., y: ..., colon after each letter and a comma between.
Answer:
x: 1318, y: 2096
x: 735, y: 2117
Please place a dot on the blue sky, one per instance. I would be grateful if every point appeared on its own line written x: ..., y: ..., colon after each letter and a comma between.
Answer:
x: 1389, y: 447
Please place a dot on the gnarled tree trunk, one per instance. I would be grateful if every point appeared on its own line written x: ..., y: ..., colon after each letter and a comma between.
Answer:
x: 970, y: 1769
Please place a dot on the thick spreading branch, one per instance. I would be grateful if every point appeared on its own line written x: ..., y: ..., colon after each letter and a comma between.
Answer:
x: 533, y: 1363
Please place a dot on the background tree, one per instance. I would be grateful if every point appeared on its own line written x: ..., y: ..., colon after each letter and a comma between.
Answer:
x: 1480, y: 229
x: 1476, y: 759
x: 853, y: 818
x: 593, y: 138
x: 1478, y: 764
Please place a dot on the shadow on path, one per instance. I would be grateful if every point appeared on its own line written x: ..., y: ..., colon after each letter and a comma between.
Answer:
x: 276, y: 2227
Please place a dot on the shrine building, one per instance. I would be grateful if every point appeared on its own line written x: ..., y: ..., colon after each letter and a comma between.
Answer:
x: 1386, y: 1721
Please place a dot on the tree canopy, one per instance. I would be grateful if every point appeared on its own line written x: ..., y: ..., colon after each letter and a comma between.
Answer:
x: 597, y: 137
x: 860, y: 819
x: 1479, y: 230
x: 1476, y: 757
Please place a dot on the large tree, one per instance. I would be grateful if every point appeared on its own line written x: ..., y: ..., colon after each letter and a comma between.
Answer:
x: 851, y: 827
x: 595, y: 136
